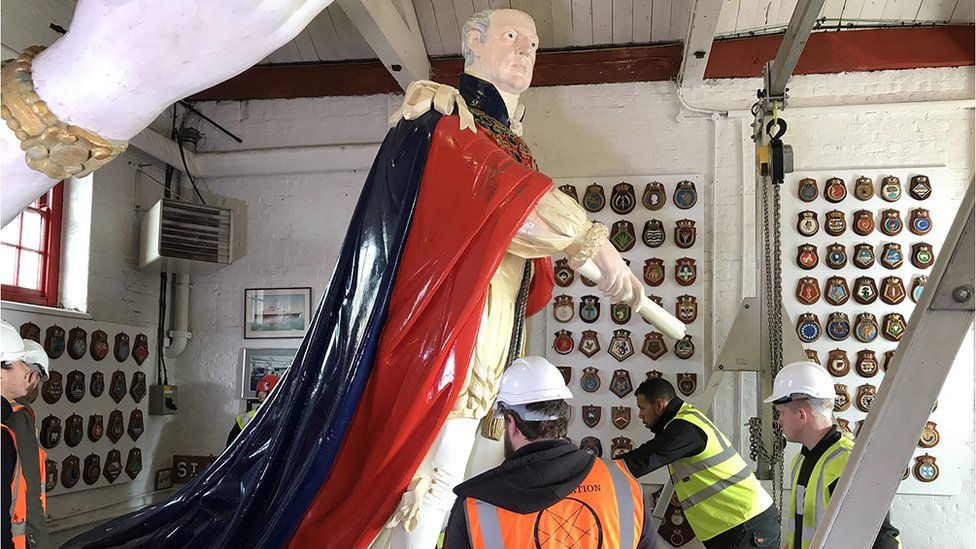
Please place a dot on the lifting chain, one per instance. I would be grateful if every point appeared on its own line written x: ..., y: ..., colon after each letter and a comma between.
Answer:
x: 774, y: 299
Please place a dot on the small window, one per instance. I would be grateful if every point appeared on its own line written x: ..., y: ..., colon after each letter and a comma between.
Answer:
x: 31, y: 248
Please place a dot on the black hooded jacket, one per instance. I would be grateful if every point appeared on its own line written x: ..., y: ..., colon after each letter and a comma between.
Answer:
x: 677, y: 440
x: 537, y: 476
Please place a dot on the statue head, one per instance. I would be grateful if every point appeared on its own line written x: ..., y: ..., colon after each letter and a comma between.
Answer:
x: 499, y: 46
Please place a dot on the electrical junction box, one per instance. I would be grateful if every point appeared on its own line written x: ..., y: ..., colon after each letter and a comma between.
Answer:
x: 162, y: 400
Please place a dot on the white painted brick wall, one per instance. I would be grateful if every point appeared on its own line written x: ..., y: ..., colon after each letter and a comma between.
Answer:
x: 295, y: 223
x: 117, y: 291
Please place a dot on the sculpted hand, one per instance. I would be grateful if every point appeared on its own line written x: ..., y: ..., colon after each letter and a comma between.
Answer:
x: 617, y: 281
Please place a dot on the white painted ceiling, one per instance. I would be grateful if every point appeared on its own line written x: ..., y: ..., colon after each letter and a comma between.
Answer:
x: 586, y: 23
x: 561, y: 23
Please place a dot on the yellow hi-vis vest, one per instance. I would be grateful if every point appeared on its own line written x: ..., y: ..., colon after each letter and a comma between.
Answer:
x: 245, y: 418
x: 811, y: 501
x: 716, y: 487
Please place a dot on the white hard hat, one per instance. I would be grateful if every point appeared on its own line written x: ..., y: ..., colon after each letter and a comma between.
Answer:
x: 802, y: 378
x: 36, y: 357
x: 11, y: 344
x: 531, y: 379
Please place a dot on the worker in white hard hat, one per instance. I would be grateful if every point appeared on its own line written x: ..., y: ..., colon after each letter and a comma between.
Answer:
x: 803, y: 394
x: 547, y: 492
x: 32, y: 457
x: 16, y: 380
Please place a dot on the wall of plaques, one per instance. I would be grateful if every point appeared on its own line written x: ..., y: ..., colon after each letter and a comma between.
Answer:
x: 92, y: 413
x: 605, y: 352
x: 857, y: 247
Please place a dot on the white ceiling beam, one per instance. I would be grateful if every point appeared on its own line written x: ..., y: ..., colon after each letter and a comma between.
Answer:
x: 794, y: 40
x: 698, y: 41
x: 394, y: 35
x: 27, y: 22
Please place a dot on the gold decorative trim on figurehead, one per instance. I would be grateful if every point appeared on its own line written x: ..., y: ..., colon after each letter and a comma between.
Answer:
x: 52, y: 147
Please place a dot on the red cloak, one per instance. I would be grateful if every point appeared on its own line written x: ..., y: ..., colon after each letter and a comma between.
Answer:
x: 473, y: 199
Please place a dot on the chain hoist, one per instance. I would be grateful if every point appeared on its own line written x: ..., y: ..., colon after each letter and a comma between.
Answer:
x: 773, y: 161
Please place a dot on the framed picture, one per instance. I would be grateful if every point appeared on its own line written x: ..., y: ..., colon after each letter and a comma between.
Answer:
x: 276, y: 312
x: 164, y: 479
x: 257, y: 363
x: 252, y: 403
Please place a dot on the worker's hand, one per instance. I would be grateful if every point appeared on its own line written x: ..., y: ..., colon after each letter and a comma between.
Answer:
x: 617, y: 281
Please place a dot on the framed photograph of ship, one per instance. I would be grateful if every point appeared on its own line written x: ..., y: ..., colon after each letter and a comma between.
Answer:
x: 276, y: 312
x: 258, y: 363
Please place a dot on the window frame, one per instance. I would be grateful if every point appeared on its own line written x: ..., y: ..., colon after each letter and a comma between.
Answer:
x: 47, y: 294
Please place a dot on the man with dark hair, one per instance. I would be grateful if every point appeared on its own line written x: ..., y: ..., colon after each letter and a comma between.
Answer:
x: 538, y: 430
x: 721, y: 498
x: 547, y: 492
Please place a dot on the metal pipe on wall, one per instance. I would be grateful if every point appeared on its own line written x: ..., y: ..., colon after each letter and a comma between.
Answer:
x: 179, y: 332
x: 259, y: 162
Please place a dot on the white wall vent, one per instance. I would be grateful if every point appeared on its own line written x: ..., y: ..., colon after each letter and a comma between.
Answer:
x: 183, y: 237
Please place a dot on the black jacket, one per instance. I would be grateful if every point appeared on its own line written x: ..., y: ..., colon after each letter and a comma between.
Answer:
x: 537, y: 476
x: 677, y: 440
x: 887, y: 536
x: 9, y: 464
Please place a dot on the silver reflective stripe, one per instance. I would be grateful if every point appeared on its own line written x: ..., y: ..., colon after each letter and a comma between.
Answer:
x: 808, y: 533
x: 681, y: 471
x: 795, y: 470
x: 712, y: 489
x: 795, y: 477
x: 16, y: 528
x: 715, y: 431
x: 792, y: 524
x: 491, y: 529
x: 799, y: 501
x: 625, y: 504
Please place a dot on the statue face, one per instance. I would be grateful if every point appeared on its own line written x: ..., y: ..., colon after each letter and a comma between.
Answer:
x: 507, y: 55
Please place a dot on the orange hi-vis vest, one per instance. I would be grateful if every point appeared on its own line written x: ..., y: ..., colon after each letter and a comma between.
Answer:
x: 41, y: 460
x: 18, y: 500
x: 605, y: 510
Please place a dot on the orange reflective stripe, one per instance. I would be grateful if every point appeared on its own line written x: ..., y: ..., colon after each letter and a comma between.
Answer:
x: 18, y: 499
x: 605, y: 510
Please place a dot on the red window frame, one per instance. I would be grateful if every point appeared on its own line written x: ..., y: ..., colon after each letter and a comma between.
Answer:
x: 50, y: 207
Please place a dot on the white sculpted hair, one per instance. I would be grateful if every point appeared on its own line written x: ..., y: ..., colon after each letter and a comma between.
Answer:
x: 479, y: 23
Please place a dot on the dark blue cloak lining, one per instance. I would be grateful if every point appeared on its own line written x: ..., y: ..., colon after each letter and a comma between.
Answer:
x: 257, y: 491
